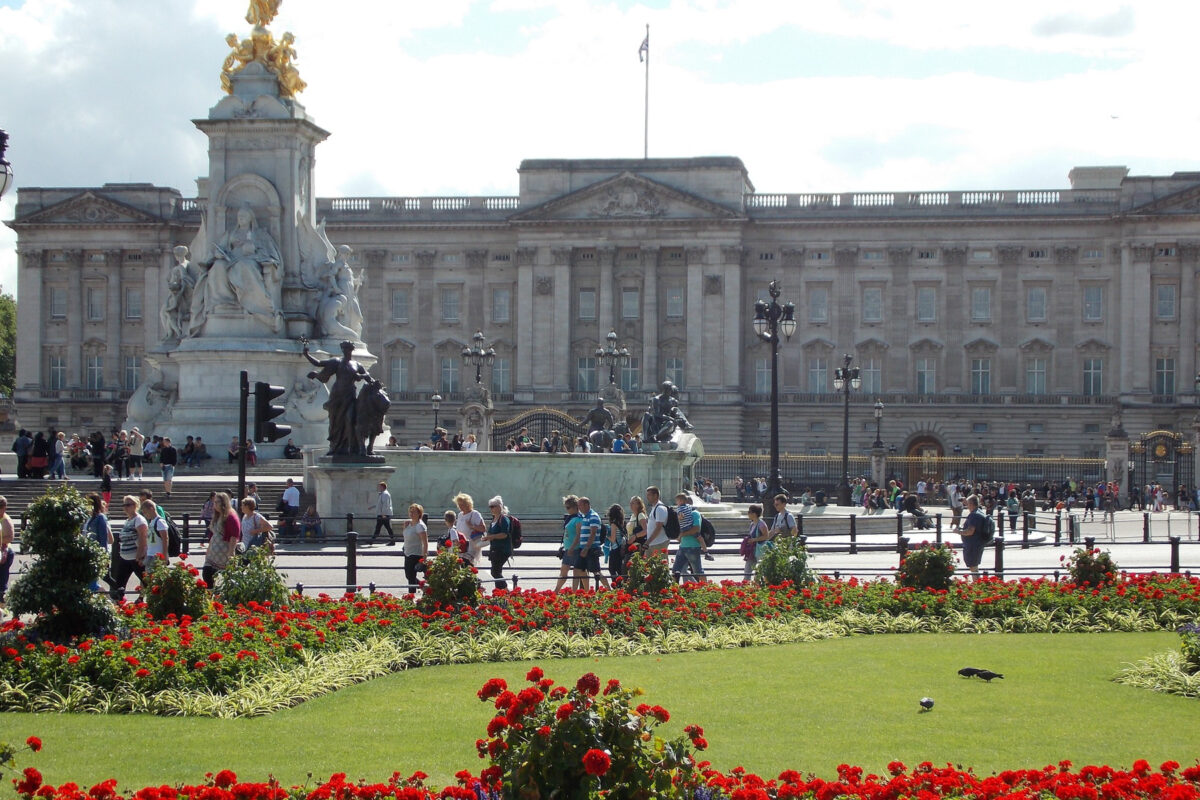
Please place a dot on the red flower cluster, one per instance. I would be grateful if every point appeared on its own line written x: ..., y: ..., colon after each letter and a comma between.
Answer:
x: 596, y: 762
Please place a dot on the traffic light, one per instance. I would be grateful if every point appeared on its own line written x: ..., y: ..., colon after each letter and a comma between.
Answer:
x: 265, y: 411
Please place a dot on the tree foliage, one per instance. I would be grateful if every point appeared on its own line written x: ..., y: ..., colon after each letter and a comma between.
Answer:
x: 8, y: 342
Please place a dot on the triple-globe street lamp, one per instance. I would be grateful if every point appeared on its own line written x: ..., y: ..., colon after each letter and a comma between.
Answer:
x: 770, y: 320
x: 612, y: 354
x: 878, y: 443
x: 436, y: 400
x: 6, y: 173
x: 478, y: 354
x: 846, y: 378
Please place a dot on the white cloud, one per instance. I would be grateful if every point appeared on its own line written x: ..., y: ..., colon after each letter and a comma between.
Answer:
x: 108, y: 90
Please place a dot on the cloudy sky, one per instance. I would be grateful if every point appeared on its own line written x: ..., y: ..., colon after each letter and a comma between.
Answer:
x: 447, y: 97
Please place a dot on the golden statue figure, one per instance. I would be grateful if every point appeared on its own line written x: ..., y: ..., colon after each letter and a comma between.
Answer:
x: 262, y: 47
x: 262, y: 12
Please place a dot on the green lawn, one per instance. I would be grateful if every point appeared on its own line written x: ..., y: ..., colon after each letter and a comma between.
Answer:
x: 805, y: 706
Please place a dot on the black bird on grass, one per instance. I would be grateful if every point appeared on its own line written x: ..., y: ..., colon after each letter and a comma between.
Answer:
x: 968, y: 672
x: 987, y: 675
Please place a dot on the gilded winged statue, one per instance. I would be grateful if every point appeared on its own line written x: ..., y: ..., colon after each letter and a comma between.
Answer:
x: 262, y: 12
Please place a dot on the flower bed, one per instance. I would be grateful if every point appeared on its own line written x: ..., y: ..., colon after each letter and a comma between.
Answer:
x: 225, y: 649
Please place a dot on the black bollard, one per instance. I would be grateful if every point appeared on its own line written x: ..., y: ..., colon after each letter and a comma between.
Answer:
x: 853, y: 535
x: 1174, y: 540
x: 1145, y: 528
x: 938, y: 527
x: 1057, y: 528
x: 1024, y: 530
x: 999, y: 558
x: 902, y: 547
x: 186, y: 534
x: 1090, y: 543
x: 351, y: 561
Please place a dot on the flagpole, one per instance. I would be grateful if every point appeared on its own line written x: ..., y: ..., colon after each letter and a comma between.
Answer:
x: 646, y: 110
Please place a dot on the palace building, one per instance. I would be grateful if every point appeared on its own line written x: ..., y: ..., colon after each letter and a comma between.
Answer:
x: 995, y: 322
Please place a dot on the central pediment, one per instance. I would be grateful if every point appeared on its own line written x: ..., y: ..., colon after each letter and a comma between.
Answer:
x: 627, y: 197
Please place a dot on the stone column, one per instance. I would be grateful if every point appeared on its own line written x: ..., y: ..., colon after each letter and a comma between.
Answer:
x: 114, y: 314
x: 560, y: 351
x: 1189, y: 274
x: 425, y: 317
x: 606, y: 289
x: 694, y: 327
x: 523, y: 386
x: 878, y: 465
x: 735, y: 317
x: 74, y: 261
x: 1137, y: 304
x: 30, y: 356
x: 650, y: 376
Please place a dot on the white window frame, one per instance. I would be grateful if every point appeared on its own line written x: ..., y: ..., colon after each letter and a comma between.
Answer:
x: 926, y: 304
x: 1035, y: 303
x: 586, y: 374
x: 1165, y: 304
x: 450, y: 302
x: 981, y: 375
x: 673, y: 368
x: 501, y: 305
x: 872, y: 304
x: 502, y: 376
x: 400, y: 303
x: 133, y: 302
x: 1093, y: 376
x: 818, y: 305
x: 631, y: 302
x: 674, y: 302
x: 926, y: 375
x: 587, y: 304
x: 1093, y: 303
x: 449, y: 375
x: 818, y: 375
x: 1035, y: 375
x: 398, y: 371
x: 981, y: 304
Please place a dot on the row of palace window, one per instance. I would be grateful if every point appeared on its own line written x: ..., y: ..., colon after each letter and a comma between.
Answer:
x: 586, y: 308
x: 95, y: 303
x: 93, y: 372
x: 588, y: 374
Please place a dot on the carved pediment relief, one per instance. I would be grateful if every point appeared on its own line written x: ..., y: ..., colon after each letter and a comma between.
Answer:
x: 627, y: 196
x: 925, y: 344
x: 87, y: 208
x: 871, y: 344
x: 1037, y: 345
x: 1186, y: 201
x: 981, y: 343
x: 818, y: 343
x: 1093, y: 346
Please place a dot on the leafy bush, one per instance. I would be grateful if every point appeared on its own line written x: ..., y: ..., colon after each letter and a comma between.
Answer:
x: 252, y: 578
x: 175, y: 589
x: 647, y: 574
x: 1092, y: 567
x: 1190, y: 645
x: 785, y: 560
x: 57, y: 586
x: 579, y: 743
x: 930, y: 566
x: 449, y: 581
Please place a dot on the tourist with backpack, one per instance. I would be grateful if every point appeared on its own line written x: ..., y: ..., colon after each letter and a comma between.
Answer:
x: 757, y: 540
x: 975, y: 533
x: 691, y: 545
x: 658, y: 537
x: 499, y: 540
x: 590, y: 545
x: 785, y: 523
x: 615, y: 547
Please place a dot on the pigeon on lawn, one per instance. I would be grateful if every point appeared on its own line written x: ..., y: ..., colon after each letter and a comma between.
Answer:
x: 926, y: 704
x: 987, y: 675
x: 968, y: 672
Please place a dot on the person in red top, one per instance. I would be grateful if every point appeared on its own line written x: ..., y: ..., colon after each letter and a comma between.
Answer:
x: 224, y: 532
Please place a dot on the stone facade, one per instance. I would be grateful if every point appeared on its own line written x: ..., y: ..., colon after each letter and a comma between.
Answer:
x: 999, y: 322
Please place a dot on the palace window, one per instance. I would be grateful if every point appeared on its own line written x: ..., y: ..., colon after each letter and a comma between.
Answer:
x: 926, y: 376
x: 1093, y: 376
x: 94, y: 373
x: 818, y: 372
x: 451, y: 298
x: 502, y: 376
x: 981, y: 376
x: 400, y: 304
x: 762, y: 375
x: 449, y: 374
x: 818, y: 304
x: 1164, y: 301
x: 585, y: 375
x: 872, y: 376
x: 501, y: 304
x: 926, y: 304
x: 587, y: 303
x: 57, y: 369
x: 1035, y: 304
x: 631, y: 299
x: 132, y: 373
x: 872, y: 304
x: 1035, y: 376
x: 94, y: 303
x: 58, y: 302
x: 674, y: 302
x: 1093, y: 303
x: 981, y: 304
x: 674, y: 368
x: 631, y: 375
x: 398, y: 374
x: 1164, y: 376
x: 133, y: 303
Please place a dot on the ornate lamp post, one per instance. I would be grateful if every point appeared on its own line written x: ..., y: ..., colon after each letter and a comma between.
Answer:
x: 878, y: 419
x: 846, y: 378
x: 612, y: 354
x: 6, y: 173
x: 478, y: 354
x: 771, y: 319
x: 437, y: 403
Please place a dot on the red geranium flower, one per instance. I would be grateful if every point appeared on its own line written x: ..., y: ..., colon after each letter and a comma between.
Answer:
x: 34, y: 743
x: 588, y: 684
x: 225, y: 778
x: 564, y: 711
x: 534, y: 675
x: 596, y: 762
x: 492, y: 688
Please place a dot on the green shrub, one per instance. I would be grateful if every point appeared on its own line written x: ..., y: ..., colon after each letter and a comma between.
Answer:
x: 252, y: 578
x: 175, y: 589
x: 449, y: 581
x: 647, y: 574
x: 930, y: 566
x: 1092, y: 567
x: 57, y: 586
x: 785, y: 560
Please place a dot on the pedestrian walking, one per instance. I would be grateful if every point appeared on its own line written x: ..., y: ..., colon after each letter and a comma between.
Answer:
x: 470, y: 524
x: 383, y: 514
x: 416, y: 545
x: 224, y: 533
x: 131, y: 554
x: 616, y: 546
x: 499, y: 539
x: 757, y: 540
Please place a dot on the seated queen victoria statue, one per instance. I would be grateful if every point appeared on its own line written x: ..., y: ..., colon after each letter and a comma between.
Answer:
x: 244, y: 271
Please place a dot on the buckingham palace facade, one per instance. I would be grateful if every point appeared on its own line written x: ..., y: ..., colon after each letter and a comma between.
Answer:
x: 997, y: 322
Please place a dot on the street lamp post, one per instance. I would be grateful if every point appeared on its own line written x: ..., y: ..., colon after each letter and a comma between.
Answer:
x: 6, y: 173
x: 437, y: 403
x: 612, y: 354
x: 845, y: 379
x: 878, y: 419
x: 771, y: 319
x: 478, y: 354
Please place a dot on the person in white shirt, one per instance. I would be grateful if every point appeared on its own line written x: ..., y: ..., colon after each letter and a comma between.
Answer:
x: 471, y: 525
x: 290, y: 507
x: 785, y: 523
x: 657, y: 540
x: 922, y: 487
x: 383, y: 514
x: 416, y: 544
x: 471, y: 443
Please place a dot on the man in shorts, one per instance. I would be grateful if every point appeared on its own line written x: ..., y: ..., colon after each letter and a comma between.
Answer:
x: 168, y: 458
x: 137, y: 447
x: 657, y: 540
x: 590, y: 539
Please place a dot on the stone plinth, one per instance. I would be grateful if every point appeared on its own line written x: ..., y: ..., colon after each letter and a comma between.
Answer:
x: 343, y: 488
